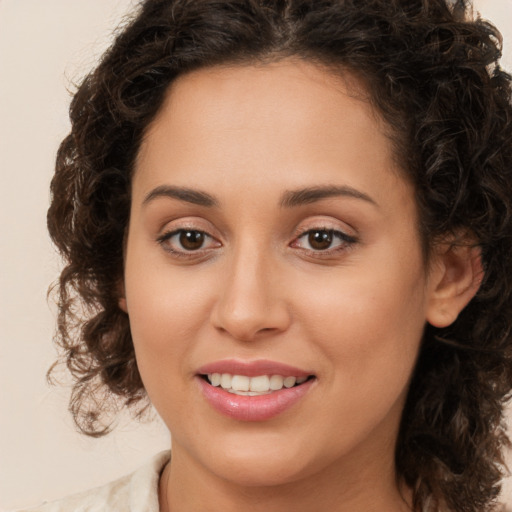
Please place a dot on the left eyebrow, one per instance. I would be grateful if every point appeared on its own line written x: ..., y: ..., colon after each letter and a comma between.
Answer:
x: 293, y: 198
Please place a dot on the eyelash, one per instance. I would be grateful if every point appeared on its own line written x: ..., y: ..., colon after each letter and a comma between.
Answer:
x: 345, y: 242
x: 165, y: 239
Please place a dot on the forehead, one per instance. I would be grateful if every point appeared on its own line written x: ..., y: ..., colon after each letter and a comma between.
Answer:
x: 261, y: 92
x: 291, y: 123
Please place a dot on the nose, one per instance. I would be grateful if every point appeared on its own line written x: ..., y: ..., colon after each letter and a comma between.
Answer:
x: 251, y: 302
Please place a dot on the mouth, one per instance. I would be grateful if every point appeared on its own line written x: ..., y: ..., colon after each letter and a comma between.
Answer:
x: 245, y: 385
x: 254, y: 390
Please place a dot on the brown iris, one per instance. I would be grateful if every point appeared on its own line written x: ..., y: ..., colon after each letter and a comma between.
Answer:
x: 320, y: 240
x: 191, y: 240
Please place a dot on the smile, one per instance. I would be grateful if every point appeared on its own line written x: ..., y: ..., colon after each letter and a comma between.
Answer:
x: 253, y: 391
x: 244, y: 385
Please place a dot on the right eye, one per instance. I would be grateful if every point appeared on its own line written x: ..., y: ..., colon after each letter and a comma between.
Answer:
x: 187, y: 241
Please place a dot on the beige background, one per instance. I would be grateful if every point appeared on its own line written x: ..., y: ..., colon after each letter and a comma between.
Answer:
x: 44, y: 47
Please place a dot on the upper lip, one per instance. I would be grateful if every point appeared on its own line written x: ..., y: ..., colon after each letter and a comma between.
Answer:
x: 252, y: 368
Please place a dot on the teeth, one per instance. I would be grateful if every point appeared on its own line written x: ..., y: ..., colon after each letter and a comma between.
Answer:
x: 240, y: 383
x: 261, y: 383
x: 253, y: 386
x: 276, y: 382
x: 225, y: 380
x: 248, y: 393
x: 289, y: 382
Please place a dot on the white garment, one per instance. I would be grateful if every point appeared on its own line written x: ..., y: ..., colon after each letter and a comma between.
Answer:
x: 137, y: 492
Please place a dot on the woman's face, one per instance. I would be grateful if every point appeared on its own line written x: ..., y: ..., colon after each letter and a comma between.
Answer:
x: 272, y: 236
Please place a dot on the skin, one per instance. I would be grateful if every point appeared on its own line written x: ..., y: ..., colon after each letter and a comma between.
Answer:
x: 353, y: 315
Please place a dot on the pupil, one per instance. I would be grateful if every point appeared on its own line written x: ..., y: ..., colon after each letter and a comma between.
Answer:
x: 320, y: 239
x: 191, y: 240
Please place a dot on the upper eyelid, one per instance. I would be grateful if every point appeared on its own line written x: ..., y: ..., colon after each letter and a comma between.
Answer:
x: 324, y: 221
x: 342, y: 235
x: 336, y: 230
x: 190, y: 223
x: 173, y: 232
x: 326, y: 226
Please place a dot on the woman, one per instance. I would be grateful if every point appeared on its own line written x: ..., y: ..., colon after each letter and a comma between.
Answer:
x: 287, y: 225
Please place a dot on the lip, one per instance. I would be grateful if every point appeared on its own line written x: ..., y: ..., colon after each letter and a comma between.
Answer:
x: 252, y: 368
x: 252, y: 408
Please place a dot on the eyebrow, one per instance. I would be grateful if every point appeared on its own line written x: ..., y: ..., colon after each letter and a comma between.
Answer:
x: 289, y: 199
x: 182, y: 194
x: 293, y: 198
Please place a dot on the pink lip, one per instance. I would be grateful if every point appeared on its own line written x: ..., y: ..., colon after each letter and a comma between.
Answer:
x: 252, y: 368
x: 252, y: 408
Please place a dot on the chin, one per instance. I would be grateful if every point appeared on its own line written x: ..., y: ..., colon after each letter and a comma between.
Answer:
x: 267, y: 473
x: 262, y: 464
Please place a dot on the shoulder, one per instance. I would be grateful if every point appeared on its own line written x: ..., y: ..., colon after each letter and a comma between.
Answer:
x: 137, y: 491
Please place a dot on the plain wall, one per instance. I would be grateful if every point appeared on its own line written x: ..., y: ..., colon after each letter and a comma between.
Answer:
x: 44, y: 47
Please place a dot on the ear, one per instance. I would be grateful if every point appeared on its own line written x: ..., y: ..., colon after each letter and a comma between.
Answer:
x: 121, y: 293
x: 455, y: 276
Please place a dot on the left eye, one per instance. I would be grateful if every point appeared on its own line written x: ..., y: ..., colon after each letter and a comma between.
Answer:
x: 322, y: 239
x: 187, y: 240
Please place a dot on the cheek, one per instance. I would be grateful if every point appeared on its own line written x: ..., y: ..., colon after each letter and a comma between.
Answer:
x: 167, y: 311
x: 367, y: 341
x: 162, y: 299
x: 369, y: 325
x: 161, y: 310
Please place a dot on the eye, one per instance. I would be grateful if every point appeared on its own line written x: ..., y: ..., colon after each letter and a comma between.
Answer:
x: 182, y: 241
x: 323, y: 240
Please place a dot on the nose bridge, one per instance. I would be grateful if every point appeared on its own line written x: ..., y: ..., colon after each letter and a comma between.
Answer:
x: 249, y: 301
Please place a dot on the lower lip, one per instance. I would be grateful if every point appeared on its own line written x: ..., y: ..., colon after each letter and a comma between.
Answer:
x: 253, y: 408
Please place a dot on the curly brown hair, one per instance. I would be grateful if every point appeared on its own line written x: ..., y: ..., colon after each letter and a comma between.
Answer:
x: 432, y: 71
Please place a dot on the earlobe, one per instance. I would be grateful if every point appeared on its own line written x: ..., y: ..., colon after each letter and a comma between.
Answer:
x: 122, y: 304
x: 455, y: 278
x: 121, y: 301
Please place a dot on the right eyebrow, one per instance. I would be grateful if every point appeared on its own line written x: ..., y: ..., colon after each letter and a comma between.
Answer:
x: 187, y: 195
